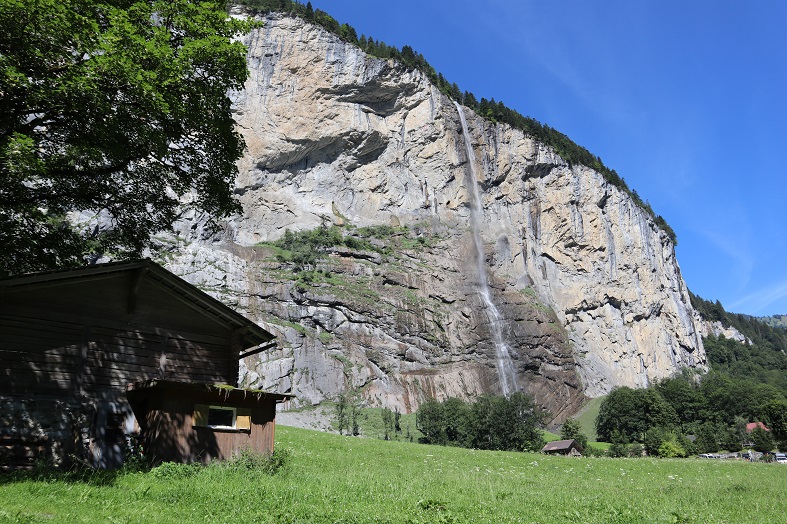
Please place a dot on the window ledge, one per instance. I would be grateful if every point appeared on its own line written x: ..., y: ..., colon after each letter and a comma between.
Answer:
x: 223, y: 430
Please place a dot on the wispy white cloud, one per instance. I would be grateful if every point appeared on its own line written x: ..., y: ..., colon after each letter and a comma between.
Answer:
x: 760, y: 300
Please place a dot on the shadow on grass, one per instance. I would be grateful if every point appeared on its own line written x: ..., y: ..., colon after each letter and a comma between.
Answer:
x: 89, y: 476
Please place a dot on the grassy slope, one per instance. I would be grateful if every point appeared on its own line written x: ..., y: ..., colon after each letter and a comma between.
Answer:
x: 587, y: 417
x: 346, y: 479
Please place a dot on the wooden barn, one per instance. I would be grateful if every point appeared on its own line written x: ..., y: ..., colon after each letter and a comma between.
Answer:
x: 73, y: 343
x: 563, y: 447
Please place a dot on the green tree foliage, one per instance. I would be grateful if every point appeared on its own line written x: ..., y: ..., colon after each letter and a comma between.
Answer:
x: 682, y: 394
x: 305, y: 247
x: 774, y: 415
x: 715, y: 408
x: 631, y: 412
x: 619, y: 444
x: 115, y: 109
x: 348, y: 410
x: 671, y: 448
x: 711, y: 437
x: 761, y: 440
x: 491, y: 422
x: 429, y: 421
x: 388, y: 423
x: 572, y: 429
x: 457, y: 422
x: 342, y: 416
x: 665, y: 442
x: 491, y: 110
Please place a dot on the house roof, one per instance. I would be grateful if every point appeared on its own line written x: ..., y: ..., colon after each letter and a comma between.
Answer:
x: 752, y: 425
x: 250, y: 332
x: 560, y: 445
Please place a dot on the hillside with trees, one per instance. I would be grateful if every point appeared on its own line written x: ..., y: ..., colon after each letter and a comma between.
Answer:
x: 763, y: 359
x: 747, y: 382
x: 778, y: 321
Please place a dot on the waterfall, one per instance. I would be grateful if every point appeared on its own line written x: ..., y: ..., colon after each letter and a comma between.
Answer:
x: 505, y: 366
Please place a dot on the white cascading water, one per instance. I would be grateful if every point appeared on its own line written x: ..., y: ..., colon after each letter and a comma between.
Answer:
x: 505, y: 366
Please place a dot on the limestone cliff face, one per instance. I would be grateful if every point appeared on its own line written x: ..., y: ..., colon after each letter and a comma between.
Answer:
x: 717, y: 329
x: 588, y: 287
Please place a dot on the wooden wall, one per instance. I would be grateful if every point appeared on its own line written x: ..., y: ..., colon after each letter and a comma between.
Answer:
x: 171, y: 435
x: 81, y: 340
x: 93, y: 338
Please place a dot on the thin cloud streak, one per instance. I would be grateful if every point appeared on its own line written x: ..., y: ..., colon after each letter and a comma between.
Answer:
x: 760, y: 300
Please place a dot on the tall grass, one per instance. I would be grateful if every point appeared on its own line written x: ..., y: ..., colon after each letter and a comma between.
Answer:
x: 330, y: 478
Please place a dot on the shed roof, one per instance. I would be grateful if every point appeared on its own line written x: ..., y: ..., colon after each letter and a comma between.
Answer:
x: 560, y: 445
x: 198, y: 300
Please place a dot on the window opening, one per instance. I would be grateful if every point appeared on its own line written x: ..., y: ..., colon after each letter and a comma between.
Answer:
x: 221, y: 417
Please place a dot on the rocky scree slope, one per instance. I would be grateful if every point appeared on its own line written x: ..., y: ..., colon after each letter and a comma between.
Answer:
x: 588, y: 287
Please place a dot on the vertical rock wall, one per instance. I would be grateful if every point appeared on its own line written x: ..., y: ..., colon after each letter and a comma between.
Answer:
x: 588, y: 286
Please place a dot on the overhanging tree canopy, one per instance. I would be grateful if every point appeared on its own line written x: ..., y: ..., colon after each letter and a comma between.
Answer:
x: 117, y: 109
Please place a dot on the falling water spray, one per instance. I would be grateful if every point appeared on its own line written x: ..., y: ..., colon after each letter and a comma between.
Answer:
x: 505, y: 366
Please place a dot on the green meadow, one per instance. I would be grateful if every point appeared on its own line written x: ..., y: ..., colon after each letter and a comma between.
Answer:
x: 329, y: 478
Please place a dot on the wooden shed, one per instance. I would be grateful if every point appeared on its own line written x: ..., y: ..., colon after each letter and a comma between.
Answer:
x: 563, y: 447
x: 184, y: 422
x: 72, y: 341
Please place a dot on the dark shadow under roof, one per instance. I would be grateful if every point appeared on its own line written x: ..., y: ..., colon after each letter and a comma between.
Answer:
x: 226, y: 393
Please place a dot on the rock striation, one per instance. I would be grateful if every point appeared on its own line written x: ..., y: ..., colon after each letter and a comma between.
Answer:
x: 588, y: 288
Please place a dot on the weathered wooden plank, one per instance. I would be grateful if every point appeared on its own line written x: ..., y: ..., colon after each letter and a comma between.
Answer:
x: 36, y: 323
x: 69, y: 317
x: 184, y: 365
x: 71, y: 364
x: 41, y: 335
x: 104, y: 328
x: 123, y: 379
x: 51, y: 360
x: 175, y: 345
x: 94, y: 384
x: 20, y: 382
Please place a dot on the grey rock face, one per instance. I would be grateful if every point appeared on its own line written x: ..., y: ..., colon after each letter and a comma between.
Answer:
x: 588, y: 287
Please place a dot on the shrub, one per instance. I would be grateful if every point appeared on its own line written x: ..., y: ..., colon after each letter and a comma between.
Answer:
x: 250, y: 460
x: 175, y: 470
x: 671, y: 449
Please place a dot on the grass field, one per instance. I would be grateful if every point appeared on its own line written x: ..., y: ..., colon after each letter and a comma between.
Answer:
x: 330, y: 478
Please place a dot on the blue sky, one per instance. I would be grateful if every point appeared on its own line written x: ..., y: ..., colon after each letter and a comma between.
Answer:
x: 686, y: 100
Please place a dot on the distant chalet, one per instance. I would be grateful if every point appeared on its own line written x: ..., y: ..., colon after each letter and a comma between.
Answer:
x: 93, y: 359
x: 563, y: 447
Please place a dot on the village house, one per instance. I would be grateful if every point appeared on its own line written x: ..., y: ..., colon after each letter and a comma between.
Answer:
x: 91, y: 357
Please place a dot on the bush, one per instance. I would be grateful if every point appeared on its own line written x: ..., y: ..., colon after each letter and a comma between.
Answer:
x: 250, y: 460
x: 671, y: 449
x: 175, y: 470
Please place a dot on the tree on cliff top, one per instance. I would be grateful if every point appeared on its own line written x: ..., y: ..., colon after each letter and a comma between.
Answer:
x: 115, y: 109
